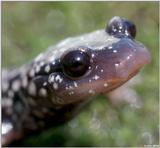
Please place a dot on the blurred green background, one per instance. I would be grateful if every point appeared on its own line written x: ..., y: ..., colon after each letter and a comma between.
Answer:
x: 28, y: 28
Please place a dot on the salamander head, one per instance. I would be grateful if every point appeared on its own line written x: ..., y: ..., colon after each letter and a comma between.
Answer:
x: 94, y: 63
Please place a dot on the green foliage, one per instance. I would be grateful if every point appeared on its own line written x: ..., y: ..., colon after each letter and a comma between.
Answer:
x: 30, y: 27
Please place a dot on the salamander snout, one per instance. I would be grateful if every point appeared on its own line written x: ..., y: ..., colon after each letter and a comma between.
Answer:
x: 121, y: 27
x: 129, y: 58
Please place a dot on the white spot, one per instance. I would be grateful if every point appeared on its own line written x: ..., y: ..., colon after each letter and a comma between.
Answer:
x: 32, y: 73
x: 10, y: 93
x: 71, y: 93
x: 91, y: 91
x: 105, y: 84
x: 70, y: 87
x: 78, y: 59
x: 128, y: 57
x: 7, y: 102
x: 115, y: 51
x: 16, y: 85
x: 45, y: 83
x: 41, y: 63
x: 5, y: 86
x: 53, y: 62
x: 90, y: 80
x: 24, y: 81
x: 110, y: 47
x: 96, y: 66
x: 102, y: 70
x: 114, y: 29
x: 47, y: 68
x: 37, y: 68
x: 116, y: 65
x: 55, y: 86
x: 6, y: 127
x: 82, y: 48
x: 32, y: 89
x: 75, y: 84
x: 126, y: 32
x: 92, y: 55
x: 89, y: 67
x: 119, y: 31
x: 51, y: 79
x: 58, y: 78
x: 43, y: 92
x: 96, y: 77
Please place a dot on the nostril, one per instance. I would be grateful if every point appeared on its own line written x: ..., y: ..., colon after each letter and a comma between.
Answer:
x: 121, y: 27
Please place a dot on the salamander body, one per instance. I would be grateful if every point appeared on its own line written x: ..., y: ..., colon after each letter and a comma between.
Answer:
x: 56, y: 84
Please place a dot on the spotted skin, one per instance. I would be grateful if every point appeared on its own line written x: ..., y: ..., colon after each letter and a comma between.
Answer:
x: 40, y: 95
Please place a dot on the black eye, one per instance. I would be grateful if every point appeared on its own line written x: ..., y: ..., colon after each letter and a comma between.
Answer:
x: 75, y: 63
x: 121, y: 27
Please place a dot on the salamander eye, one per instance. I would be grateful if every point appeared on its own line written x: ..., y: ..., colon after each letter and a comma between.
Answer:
x: 121, y: 27
x: 76, y: 63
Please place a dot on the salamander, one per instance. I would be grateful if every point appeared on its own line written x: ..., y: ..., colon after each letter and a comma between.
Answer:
x: 56, y: 85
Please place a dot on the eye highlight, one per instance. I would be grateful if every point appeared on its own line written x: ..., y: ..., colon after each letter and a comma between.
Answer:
x: 75, y: 63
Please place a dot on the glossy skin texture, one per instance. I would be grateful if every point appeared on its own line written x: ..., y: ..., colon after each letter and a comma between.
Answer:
x: 54, y: 87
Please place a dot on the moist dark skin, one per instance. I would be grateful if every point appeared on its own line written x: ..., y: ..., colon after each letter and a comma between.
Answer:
x: 56, y: 85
